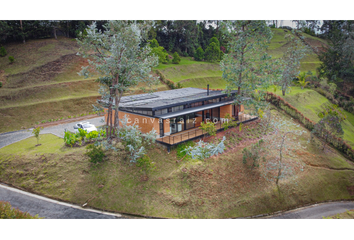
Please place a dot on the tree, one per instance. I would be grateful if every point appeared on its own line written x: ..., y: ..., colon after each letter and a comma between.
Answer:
x: 291, y: 60
x: 116, y: 56
x: 199, y: 54
x: 338, y: 57
x: 247, y: 66
x: 330, y: 124
x: 212, y: 53
x: 159, y: 51
x: 36, y: 132
x: 279, y: 142
x: 176, y: 59
x: 302, y: 79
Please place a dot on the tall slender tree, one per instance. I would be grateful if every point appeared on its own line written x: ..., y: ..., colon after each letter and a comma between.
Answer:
x: 247, y: 67
x: 121, y: 63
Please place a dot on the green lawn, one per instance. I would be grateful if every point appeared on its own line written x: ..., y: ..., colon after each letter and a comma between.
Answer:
x: 214, y: 82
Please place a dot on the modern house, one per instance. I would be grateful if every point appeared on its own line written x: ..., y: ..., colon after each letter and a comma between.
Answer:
x: 176, y: 115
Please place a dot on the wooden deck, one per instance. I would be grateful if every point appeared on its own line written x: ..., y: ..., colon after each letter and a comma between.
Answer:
x: 196, y: 132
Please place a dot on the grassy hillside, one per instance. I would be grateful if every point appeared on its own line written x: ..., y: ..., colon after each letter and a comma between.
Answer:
x: 219, y: 187
x: 43, y: 83
x: 310, y: 103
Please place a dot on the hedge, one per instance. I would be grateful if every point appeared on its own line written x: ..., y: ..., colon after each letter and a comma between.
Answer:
x: 169, y: 83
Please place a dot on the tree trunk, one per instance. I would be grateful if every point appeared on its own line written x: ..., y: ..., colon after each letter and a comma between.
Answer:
x: 23, y: 35
x: 55, y: 32
x: 283, y: 91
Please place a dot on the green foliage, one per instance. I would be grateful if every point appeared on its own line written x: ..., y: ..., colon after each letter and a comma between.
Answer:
x: 253, y: 154
x: 291, y: 60
x: 212, y: 53
x: 205, y: 150
x: 240, y: 127
x: 11, y: 59
x: 228, y: 122
x: 91, y: 135
x: 0, y: 84
x: 199, y: 54
x: 134, y: 140
x: 338, y: 57
x: 209, y: 128
x: 82, y: 133
x: 3, y: 52
x: 176, y: 59
x: 302, y: 80
x: 215, y: 40
x: 71, y: 138
x: 159, y: 51
x: 117, y: 56
x: 181, y: 148
x: 146, y: 164
x: 7, y: 212
x: 102, y: 133
x: 36, y: 132
x: 95, y: 153
x: 247, y: 67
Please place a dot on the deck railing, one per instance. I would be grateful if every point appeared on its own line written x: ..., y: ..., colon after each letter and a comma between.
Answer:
x: 197, y: 132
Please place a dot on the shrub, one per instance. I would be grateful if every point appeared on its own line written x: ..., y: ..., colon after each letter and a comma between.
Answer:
x: 145, y: 164
x: 0, y: 84
x: 7, y: 212
x: 11, y: 59
x: 205, y: 150
x: 3, y: 52
x: 95, y: 153
x: 208, y: 127
x: 181, y: 148
x: 176, y: 59
x: 71, y: 138
x: 253, y: 154
x: 212, y: 52
x: 199, y: 54
x: 82, y: 133
x: 91, y: 135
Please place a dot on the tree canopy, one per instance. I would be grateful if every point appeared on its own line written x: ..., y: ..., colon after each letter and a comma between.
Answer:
x: 117, y: 57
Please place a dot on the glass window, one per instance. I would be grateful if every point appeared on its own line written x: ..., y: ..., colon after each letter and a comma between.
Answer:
x: 177, y: 108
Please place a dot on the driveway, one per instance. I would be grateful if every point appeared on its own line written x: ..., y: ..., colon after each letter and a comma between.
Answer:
x: 58, y: 130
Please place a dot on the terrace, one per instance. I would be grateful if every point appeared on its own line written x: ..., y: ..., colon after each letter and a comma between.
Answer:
x: 195, y: 133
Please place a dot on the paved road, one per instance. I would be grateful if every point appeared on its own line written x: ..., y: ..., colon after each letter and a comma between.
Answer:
x: 316, y: 211
x: 48, y: 208
x: 58, y: 130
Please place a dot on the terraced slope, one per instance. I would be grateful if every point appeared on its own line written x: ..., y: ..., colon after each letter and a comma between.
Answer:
x: 199, y: 74
x: 43, y: 83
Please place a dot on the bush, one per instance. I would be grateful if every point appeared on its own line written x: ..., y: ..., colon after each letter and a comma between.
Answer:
x: 208, y: 127
x: 3, y: 52
x: 7, y: 212
x: 212, y: 53
x: 181, y: 148
x: 91, y: 135
x: 146, y: 164
x: 176, y: 59
x: 199, y: 55
x: 36, y: 132
x: 95, y: 153
x: 71, y: 138
x: 11, y: 59
x: 0, y: 84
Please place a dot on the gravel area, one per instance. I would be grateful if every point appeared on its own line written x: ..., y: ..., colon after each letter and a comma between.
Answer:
x: 58, y: 130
